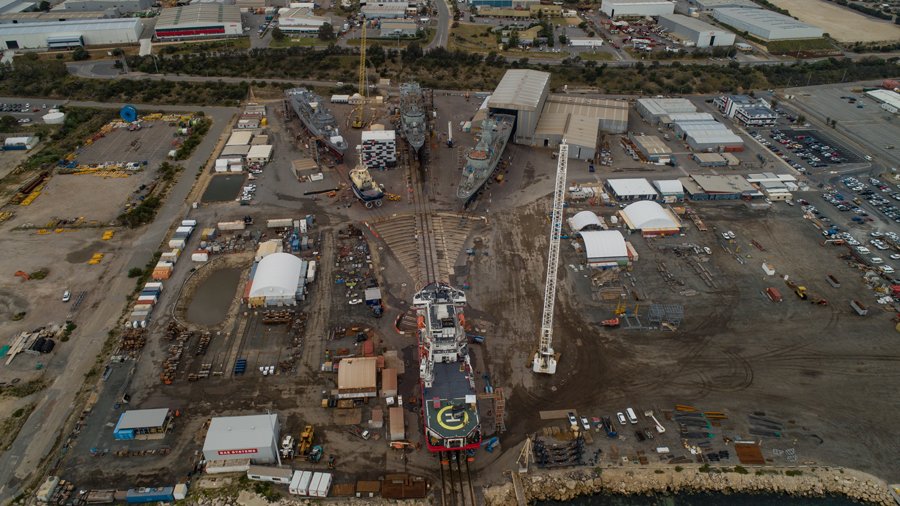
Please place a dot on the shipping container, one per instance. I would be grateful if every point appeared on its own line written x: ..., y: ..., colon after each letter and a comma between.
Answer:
x: 188, y: 223
x: 860, y: 309
x: 145, y: 495
x: 186, y: 229
x: 176, y: 243
x: 280, y: 223
x: 232, y: 225
x: 773, y: 294
x: 271, y: 474
x: 295, y: 482
x: 311, y: 272
x: 154, y: 285
x: 833, y: 281
x: 140, y: 308
x: 47, y: 488
x: 324, y: 486
x: 200, y: 256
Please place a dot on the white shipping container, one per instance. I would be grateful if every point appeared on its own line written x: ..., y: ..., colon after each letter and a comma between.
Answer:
x: 140, y: 308
x: 188, y: 223
x: 295, y: 482
x: 180, y: 492
x: 154, y: 284
x: 303, y: 487
x: 176, y: 243
x: 279, y: 223
x: 184, y: 230
x: 200, y: 256
x: 232, y: 225
x: 314, y: 484
x: 324, y: 486
x: 311, y: 271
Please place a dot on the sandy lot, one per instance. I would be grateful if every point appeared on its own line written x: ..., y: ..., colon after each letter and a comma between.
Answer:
x: 842, y: 24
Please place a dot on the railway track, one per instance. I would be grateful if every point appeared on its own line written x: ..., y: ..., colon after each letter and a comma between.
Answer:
x: 425, y: 226
x: 456, y: 480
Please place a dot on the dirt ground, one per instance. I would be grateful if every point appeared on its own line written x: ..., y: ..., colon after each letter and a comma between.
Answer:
x: 844, y: 25
x: 735, y: 352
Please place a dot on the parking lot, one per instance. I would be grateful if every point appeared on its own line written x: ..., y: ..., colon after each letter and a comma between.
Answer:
x: 805, y: 150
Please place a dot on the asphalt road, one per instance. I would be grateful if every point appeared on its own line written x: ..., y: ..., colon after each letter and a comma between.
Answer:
x: 40, y: 432
x: 442, y: 37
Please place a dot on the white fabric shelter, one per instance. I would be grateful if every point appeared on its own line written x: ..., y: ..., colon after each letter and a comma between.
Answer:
x: 648, y: 215
x: 584, y: 219
x: 277, y: 279
x: 604, y: 245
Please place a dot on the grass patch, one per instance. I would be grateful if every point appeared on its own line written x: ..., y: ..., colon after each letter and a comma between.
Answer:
x: 658, y: 471
x: 793, y: 472
x: 741, y: 470
x: 298, y: 42
x: 391, y: 42
x: 678, y: 469
x: 595, y: 56
x: 793, y: 46
x: 23, y: 389
x: 188, y: 47
x: 10, y: 427
x: 472, y: 37
x: 18, y: 316
x: 40, y: 273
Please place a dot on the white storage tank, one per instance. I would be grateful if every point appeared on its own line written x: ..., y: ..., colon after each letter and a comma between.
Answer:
x: 54, y: 118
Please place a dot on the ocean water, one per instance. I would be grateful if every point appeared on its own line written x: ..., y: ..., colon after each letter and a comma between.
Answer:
x: 702, y: 500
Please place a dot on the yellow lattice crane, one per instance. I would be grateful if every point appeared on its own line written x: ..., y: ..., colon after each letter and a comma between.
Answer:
x: 358, y: 122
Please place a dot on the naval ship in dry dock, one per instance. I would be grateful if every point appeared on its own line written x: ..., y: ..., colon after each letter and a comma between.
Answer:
x: 449, y: 402
x: 482, y: 160
x: 317, y: 119
x: 412, y: 115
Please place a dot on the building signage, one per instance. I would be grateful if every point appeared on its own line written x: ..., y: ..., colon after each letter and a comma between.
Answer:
x: 244, y: 451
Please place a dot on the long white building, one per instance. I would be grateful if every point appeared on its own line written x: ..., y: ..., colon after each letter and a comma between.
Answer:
x: 636, y: 8
x: 198, y: 21
x: 69, y: 34
x: 696, y: 32
x: 766, y: 24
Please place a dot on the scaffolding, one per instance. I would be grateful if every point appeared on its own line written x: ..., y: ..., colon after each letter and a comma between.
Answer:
x: 666, y: 316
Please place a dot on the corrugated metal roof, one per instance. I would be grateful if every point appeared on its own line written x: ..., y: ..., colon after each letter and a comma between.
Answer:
x: 651, y: 145
x: 669, y: 186
x: 761, y: 18
x: 142, y: 418
x: 520, y: 90
x: 633, y: 187
x: 582, y: 131
x: 722, y: 184
x: 663, y: 106
x: 889, y: 97
x: 198, y: 14
x: 64, y: 27
x: 240, y: 432
x: 591, y: 107
x: 690, y: 23
x: 357, y: 373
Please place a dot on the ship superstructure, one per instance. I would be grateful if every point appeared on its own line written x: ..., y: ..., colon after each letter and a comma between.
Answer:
x: 412, y: 115
x: 449, y: 401
x: 482, y: 160
x: 317, y: 118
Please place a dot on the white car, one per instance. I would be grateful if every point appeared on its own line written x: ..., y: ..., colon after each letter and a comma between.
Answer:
x: 585, y: 423
x: 67, y: 296
x: 876, y: 260
x: 887, y: 269
x: 895, y: 256
x: 862, y: 250
x: 354, y: 302
x: 621, y: 417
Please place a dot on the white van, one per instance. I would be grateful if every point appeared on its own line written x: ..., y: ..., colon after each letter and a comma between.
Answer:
x: 631, y: 416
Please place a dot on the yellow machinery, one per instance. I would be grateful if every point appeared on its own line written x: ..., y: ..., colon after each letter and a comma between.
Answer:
x: 306, y: 440
x: 359, y: 122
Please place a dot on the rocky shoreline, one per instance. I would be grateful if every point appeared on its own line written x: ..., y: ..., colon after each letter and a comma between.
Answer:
x: 800, y: 482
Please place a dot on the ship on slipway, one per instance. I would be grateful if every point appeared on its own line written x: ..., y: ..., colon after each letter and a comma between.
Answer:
x: 482, y: 160
x: 449, y: 401
x: 365, y: 188
x: 317, y: 119
x: 412, y: 115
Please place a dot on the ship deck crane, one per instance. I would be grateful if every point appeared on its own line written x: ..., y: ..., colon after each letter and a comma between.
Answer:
x: 545, y: 359
x: 359, y: 122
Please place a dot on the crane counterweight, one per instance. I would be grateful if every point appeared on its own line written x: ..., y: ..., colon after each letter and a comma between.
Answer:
x: 545, y: 359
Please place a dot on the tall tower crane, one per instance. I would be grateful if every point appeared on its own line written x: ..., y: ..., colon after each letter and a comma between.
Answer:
x: 545, y: 359
x: 361, y: 108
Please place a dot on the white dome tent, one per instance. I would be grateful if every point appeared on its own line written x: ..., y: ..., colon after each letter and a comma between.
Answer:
x: 279, y: 279
x: 650, y: 218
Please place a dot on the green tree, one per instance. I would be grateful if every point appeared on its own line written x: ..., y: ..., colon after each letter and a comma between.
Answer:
x: 412, y: 52
x: 277, y: 34
x: 80, y: 54
x: 8, y: 123
x: 326, y: 32
x: 563, y: 39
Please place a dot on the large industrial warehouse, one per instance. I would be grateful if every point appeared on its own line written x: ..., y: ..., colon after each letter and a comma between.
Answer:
x: 766, y: 24
x: 199, y: 21
x: 655, y: 110
x: 696, y: 32
x: 299, y: 21
x: 69, y: 34
x: 636, y: 8
x: 253, y: 437
x: 522, y: 93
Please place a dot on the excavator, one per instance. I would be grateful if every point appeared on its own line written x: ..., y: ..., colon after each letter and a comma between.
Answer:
x: 306, y: 440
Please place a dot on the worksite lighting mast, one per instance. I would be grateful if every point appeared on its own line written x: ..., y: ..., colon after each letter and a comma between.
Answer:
x: 545, y: 358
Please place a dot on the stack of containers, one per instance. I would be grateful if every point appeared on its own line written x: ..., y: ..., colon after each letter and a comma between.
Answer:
x: 229, y: 165
x: 147, y: 299
x: 163, y: 270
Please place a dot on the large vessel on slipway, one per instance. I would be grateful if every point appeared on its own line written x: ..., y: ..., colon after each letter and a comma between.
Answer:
x: 317, y: 119
x: 365, y: 188
x: 449, y: 401
x: 412, y: 115
x: 482, y: 160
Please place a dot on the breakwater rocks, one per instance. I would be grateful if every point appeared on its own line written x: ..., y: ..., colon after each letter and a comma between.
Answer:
x: 803, y: 482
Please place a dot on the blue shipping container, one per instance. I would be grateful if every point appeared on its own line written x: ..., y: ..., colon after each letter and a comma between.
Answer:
x: 142, y: 495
